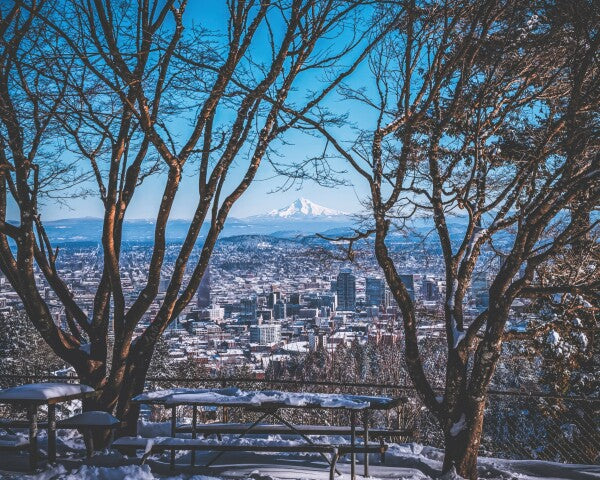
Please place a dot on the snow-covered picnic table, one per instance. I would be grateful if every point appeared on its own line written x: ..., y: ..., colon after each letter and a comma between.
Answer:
x: 30, y: 397
x: 269, y: 403
x: 234, y: 397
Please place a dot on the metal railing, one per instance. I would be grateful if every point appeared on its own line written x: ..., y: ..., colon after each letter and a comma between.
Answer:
x: 518, y: 425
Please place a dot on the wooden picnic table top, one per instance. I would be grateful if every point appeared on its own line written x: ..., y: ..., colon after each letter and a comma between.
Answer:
x: 265, y: 399
x: 45, y: 393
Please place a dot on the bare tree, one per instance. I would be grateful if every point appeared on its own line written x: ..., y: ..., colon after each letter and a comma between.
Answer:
x: 488, y: 111
x: 110, y: 82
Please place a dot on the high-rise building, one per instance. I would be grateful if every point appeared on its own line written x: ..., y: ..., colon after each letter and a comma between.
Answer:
x: 323, y: 300
x: 430, y: 289
x: 204, y: 290
x: 376, y: 292
x: 249, y: 306
x: 273, y: 298
x: 296, y: 298
x: 409, y: 283
x: 346, y: 290
x: 265, y: 334
x: 280, y: 310
x: 163, y: 284
x: 214, y: 313
x: 480, y: 290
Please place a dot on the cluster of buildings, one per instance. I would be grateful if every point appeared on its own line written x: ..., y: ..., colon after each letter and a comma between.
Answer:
x: 262, y: 301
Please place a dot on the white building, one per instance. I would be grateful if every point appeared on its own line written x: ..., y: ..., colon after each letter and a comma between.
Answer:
x: 265, y: 334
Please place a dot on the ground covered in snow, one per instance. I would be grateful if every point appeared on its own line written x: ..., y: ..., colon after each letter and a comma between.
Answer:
x: 405, y: 461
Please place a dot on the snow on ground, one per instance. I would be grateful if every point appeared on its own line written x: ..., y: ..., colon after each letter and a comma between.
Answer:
x: 403, y: 462
x: 410, y: 461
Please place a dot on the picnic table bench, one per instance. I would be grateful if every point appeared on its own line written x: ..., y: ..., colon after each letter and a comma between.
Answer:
x: 218, y: 428
x: 31, y: 397
x: 268, y: 404
x: 86, y: 422
x: 161, y: 444
x: 267, y: 429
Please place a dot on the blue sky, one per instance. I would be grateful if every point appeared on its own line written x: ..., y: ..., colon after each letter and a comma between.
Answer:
x: 264, y: 194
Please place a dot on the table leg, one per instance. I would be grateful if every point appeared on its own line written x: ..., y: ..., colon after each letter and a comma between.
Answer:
x: 332, y: 469
x: 305, y: 437
x: 89, y: 442
x: 32, y: 412
x: 242, y: 435
x: 173, y: 433
x: 366, y: 442
x: 194, y: 424
x: 52, y: 433
x: 353, y: 444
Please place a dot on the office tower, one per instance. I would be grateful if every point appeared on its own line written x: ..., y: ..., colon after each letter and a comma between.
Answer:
x: 376, y: 292
x: 322, y: 300
x: 346, y: 290
x: 480, y: 290
x: 296, y: 298
x: 204, y: 290
x: 409, y: 283
x: 273, y: 298
x: 163, y: 284
x: 248, y: 309
x: 430, y: 289
x: 280, y: 310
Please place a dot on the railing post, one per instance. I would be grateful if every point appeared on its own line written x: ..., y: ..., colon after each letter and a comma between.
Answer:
x: 194, y: 435
x: 353, y: 444
x: 366, y: 442
x: 173, y: 434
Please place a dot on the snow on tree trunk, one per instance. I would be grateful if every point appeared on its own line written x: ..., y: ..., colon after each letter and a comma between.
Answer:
x: 462, y: 440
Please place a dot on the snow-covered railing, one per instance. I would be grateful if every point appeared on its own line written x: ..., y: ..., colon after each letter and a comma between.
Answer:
x: 236, y: 380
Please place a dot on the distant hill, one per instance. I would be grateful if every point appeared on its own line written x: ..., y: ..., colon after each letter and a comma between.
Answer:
x: 298, y: 219
x: 301, y: 219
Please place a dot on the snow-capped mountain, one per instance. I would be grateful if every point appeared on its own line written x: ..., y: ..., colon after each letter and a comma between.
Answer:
x: 302, y: 217
x: 302, y: 208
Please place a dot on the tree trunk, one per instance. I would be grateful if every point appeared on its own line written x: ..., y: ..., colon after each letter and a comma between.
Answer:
x: 133, y: 384
x: 115, y: 394
x: 462, y: 440
x: 94, y: 375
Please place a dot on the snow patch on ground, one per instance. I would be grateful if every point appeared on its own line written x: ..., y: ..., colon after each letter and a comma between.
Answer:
x: 409, y: 461
x: 553, y: 337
